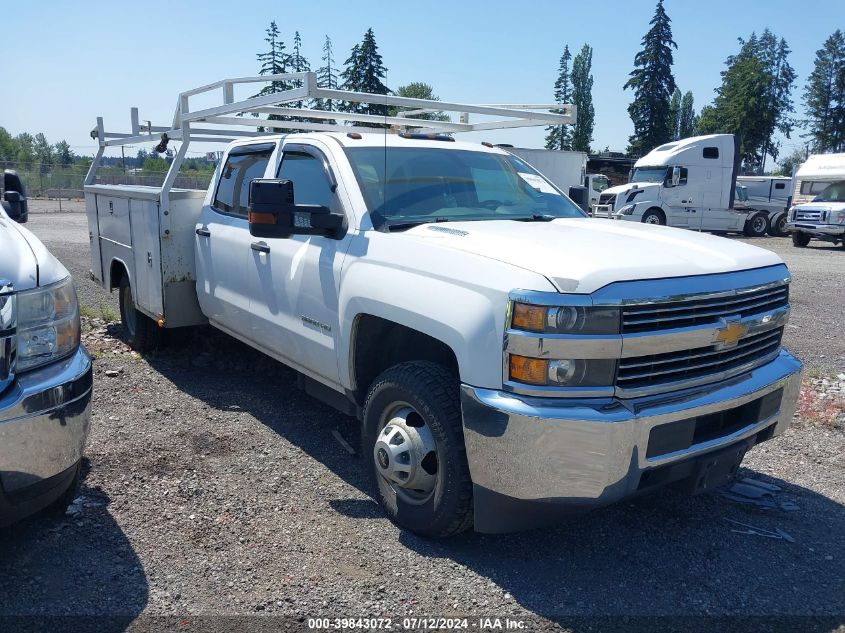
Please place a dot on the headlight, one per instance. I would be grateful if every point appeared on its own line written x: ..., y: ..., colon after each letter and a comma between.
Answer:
x: 837, y: 217
x: 628, y: 209
x: 565, y: 319
x: 48, y: 324
x: 562, y: 373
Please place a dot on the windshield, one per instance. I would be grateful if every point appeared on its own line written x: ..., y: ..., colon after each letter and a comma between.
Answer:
x: 833, y: 193
x: 649, y: 174
x: 431, y: 184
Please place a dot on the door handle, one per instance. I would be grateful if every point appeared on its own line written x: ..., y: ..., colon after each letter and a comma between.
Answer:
x: 260, y: 247
x: 203, y: 232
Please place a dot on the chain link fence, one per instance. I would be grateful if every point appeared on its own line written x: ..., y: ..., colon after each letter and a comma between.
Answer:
x: 44, y: 180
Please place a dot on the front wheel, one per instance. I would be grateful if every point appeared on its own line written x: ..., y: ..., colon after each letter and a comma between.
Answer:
x: 799, y: 239
x: 142, y: 333
x: 654, y: 216
x: 413, y: 440
x: 756, y: 225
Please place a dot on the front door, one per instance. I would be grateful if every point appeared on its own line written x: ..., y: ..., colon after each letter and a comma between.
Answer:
x: 294, y: 282
x: 222, y: 240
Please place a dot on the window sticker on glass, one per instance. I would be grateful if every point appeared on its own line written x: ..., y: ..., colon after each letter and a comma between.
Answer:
x: 536, y: 182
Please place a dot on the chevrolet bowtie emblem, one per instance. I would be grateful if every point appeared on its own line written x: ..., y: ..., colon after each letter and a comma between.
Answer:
x: 730, y: 334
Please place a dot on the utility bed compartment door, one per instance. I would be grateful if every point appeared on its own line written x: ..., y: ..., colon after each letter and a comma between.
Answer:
x: 113, y: 213
x: 146, y: 252
x: 94, y: 236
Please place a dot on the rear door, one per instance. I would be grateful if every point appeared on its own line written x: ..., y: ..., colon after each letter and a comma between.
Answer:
x: 222, y: 240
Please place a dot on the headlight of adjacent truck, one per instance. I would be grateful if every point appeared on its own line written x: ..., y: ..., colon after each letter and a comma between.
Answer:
x: 574, y: 320
x: 837, y: 217
x: 47, y: 324
x: 627, y: 209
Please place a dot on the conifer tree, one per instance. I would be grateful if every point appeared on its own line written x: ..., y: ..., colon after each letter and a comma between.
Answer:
x: 687, y: 119
x: 560, y: 136
x: 582, y: 98
x: 824, y: 96
x: 327, y: 77
x: 364, y: 73
x: 653, y: 84
x: 675, y: 114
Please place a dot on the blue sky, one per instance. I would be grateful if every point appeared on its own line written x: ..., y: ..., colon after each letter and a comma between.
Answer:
x: 67, y: 62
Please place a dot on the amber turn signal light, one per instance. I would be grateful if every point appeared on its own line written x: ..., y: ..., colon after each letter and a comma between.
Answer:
x: 529, y: 317
x: 261, y: 218
x: 533, y: 371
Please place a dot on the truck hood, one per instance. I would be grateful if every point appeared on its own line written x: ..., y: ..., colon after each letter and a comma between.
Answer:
x: 820, y: 206
x: 584, y: 254
x: 24, y: 260
x: 629, y: 186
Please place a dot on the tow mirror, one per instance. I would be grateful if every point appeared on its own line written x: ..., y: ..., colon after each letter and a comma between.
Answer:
x: 16, y: 204
x: 676, y: 176
x: 274, y: 213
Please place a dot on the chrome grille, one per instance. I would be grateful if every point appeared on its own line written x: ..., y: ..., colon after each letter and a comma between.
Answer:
x: 607, y: 198
x: 648, y: 371
x: 651, y: 317
x: 813, y: 215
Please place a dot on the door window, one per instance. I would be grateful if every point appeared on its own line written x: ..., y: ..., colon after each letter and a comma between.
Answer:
x: 233, y: 189
x: 310, y: 183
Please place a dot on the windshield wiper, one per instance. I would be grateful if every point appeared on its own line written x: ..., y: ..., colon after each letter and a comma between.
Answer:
x: 535, y: 217
x: 404, y: 225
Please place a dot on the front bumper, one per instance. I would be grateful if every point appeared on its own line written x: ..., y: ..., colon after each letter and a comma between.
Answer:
x: 534, y: 459
x: 818, y: 230
x: 44, y: 420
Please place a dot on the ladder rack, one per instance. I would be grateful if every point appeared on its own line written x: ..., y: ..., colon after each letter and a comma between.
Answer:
x: 192, y: 125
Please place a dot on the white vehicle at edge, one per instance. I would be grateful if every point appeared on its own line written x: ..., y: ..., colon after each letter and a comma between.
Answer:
x: 45, y: 377
x: 690, y: 183
x: 819, y: 201
x: 510, y: 359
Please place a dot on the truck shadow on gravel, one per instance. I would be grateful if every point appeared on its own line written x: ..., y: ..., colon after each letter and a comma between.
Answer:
x: 70, y: 571
x: 664, y: 555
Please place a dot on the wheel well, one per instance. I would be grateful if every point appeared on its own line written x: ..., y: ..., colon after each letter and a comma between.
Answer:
x: 378, y: 344
x: 116, y: 273
x: 658, y: 210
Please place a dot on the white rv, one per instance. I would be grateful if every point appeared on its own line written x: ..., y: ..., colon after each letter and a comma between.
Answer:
x: 690, y: 183
x: 815, y: 174
x: 818, y: 210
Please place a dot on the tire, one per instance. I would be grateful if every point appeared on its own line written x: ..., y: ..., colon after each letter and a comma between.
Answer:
x: 778, y: 227
x: 654, y: 216
x: 142, y: 333
x: 757, y: 225
x: 416, y: 405
x: 799, y: 239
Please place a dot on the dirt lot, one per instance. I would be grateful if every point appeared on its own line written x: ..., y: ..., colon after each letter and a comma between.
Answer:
x: 215, y: 488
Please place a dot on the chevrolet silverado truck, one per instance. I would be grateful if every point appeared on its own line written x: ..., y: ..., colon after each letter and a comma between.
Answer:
x: 45, y: 378
x: 510, y: 359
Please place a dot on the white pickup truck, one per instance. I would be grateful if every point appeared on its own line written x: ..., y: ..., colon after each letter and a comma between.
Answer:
x: 510, y: 359
x: 45, y: 375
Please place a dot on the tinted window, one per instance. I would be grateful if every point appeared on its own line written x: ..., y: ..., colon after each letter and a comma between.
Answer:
x: 233, y: 189
x: 310, y: 183
x: 813, y: 187
x: 832, y: 193
x: 710, y: 152
x: 780, y: 185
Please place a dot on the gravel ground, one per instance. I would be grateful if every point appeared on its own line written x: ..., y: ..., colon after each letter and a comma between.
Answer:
x: 214, y: 487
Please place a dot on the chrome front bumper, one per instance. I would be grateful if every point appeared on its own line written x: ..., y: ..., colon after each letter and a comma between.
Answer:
x: 527, y: 453
x: 829, y: 230
x: 44, y: 420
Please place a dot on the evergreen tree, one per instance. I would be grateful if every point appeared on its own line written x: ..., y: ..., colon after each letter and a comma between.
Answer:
x: 754, y: 99
x: 43, y: 152
x: 327, y: 77
x: 675, y: 114
x: 653, y: 84
x: 273, y: 61
x: 297, y: 64
x: 63, y: 153
x: 560, y: 136
x: 582, y: 98
x: 364, y: 73
x: 824, y: 96
x: 687, y: 119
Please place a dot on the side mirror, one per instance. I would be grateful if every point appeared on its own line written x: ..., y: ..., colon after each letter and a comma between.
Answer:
x: 16, y: 204
x: 273, y: 213
x: 676, y: 176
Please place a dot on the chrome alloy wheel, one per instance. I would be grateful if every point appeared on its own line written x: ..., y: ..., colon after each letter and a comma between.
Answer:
x: 405, y: 454
x: 653, y: 219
